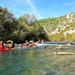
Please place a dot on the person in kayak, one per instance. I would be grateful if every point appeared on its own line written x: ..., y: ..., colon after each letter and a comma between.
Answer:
x: 10, y: 44
x: 2, y: 47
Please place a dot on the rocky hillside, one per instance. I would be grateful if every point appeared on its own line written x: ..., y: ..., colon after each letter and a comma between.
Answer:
x: 60, y: 28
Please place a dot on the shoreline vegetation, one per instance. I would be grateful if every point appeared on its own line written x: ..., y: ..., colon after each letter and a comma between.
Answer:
x: 27, y: 27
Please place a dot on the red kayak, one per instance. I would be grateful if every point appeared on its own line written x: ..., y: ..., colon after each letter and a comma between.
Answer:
x: 4, y: 50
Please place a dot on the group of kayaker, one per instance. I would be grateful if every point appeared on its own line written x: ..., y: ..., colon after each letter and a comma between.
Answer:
x: 9, y: 45
x: 29, y: 44
x: 6, y: 46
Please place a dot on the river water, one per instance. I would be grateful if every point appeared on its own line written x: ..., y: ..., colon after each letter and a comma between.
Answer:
x: 36, y: 62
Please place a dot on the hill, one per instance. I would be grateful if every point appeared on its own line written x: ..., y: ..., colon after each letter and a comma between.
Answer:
x: 60, y: 28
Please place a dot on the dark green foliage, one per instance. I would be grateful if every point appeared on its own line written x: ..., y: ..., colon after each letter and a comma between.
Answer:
x: 8, y: 24
x: 20, y: 29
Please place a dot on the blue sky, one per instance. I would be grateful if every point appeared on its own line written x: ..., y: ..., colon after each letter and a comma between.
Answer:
x: 39, y: 8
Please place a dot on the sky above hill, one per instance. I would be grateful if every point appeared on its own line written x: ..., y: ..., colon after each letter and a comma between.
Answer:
x: 39, y: 8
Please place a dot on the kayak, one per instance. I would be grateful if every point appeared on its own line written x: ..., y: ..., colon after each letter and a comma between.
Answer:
x: 3, y: 50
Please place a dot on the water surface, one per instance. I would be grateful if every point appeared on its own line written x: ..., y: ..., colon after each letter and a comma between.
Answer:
x: 36, y: 62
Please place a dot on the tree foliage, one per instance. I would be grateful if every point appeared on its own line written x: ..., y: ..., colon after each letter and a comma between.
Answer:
x: 25, y: 28
x: 8, y: 24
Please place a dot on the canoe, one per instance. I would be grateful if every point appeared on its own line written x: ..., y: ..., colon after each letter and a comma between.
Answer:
x: 3, y: 50
x: 6, y: 49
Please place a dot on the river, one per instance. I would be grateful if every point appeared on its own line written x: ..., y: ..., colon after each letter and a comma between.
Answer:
x: 36, y: 62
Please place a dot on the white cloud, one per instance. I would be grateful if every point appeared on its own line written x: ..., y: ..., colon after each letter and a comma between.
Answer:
x: 69, y: 3
x: 34, y: 10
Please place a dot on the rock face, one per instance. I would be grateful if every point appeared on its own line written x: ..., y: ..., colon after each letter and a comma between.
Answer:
x: 62, y: 27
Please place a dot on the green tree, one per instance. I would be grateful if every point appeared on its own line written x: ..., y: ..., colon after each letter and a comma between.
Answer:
x: 8, y: 24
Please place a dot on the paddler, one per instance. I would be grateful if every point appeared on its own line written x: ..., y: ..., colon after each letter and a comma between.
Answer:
x: 10, y: 44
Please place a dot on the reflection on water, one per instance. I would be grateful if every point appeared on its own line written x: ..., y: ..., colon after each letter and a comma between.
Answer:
x: 36, y: 62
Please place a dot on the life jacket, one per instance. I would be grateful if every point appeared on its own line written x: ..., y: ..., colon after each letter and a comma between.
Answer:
x: 1, y: 46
